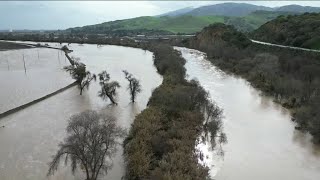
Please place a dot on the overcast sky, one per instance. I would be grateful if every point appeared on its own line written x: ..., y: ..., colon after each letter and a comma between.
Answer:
x: 65, y: 14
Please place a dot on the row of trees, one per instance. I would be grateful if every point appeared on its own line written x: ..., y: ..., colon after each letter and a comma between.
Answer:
x: 92, y: 138
x: 108, y: 88
x: 162, y: 140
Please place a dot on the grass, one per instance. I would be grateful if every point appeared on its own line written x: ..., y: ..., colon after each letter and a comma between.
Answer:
x: 182, y: 24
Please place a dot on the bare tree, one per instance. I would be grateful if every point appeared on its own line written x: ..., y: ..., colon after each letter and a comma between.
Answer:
x: 108, y: 89
x: 79, y: 73
x: 24, y: 64
x: 212, y: 112
x: 91, y: 142
x: 134, y: 85
x: 213, y: 124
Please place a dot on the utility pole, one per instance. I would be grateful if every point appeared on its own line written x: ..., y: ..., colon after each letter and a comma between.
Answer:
x: 38, y: 54
x: 24, y: 64
x: 8, y: 65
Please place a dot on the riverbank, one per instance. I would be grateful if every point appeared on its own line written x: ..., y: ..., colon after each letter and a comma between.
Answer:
x: 161, y: 143
x: 258, y: 129
x: 290, y: 76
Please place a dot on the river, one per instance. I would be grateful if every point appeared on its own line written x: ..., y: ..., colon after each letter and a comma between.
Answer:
x: 31, y: 136
x: 262, y: 142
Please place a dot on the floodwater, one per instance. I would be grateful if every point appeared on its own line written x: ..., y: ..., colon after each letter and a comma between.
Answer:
x: 43, y: 75
x: 31, y: 136
x: 262, y: 142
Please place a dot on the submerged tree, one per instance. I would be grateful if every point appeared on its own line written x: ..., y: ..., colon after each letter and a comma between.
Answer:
x: 134, y: 85
x: 91, y: 142
x: 213, y: 124
x: 108, y: 89
x: 79, y: 73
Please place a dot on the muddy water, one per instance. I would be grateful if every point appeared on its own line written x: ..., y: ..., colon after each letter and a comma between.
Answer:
x: 262, y: 142
x: 31, y: 136
x: 43, y: 75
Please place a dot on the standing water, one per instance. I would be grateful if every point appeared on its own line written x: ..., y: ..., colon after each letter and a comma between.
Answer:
x: 28, y: 74
x: 31, y: 136
x: 262, y: 142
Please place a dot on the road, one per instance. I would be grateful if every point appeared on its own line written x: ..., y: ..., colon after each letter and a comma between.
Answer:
x: 283, y: 46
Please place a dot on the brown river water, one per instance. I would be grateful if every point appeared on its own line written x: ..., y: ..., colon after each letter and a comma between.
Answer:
x: 262, y: 142
x: 31, y: 136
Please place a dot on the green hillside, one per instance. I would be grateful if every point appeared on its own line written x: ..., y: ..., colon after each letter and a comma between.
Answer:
x: 254, y: 20
x: 298, y: 30
x: 180, y: 24
x: 188, y: 24
x: 177, y: 24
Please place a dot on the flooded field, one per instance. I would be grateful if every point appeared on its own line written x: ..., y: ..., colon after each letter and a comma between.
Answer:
x: 28, y: 74
x: 262, y: 142
x: 31, y: 136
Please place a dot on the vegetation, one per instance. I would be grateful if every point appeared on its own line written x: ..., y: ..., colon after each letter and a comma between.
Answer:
x: 294, y: 30
x: 185, y: 24
x: 253, y: 20
x: 219, y: 35
x: 92, y: 140
x: 160, y: 25
x: 134, y: 85
x: 292, y: 77
x: 161, y: 141
x: 108, y: 89
x: 79, y: 73
x: 245, y: 17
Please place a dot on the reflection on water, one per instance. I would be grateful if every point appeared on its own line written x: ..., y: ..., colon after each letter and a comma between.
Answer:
x: 32, y: 135
x: 262, y: 142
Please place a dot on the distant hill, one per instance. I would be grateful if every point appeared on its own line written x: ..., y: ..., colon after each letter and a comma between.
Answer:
x: 243, y: 9
x: 227, y: 9
x: 298, y: 9
x: 294, y: 30
x: 244, y: 17
x: 178, y: 12
x: 176, y: 24
x: 253, y: 20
